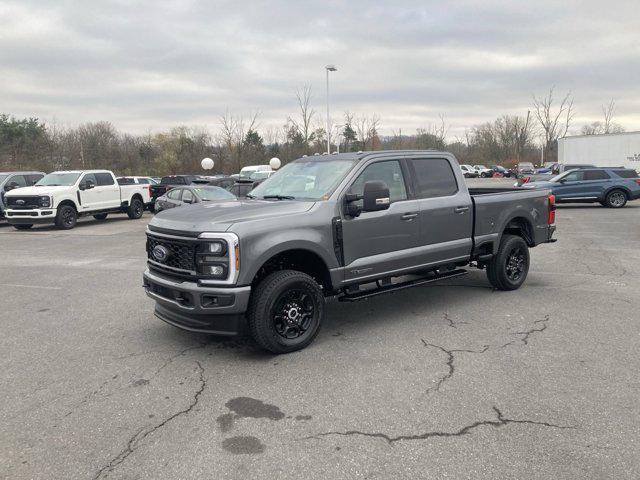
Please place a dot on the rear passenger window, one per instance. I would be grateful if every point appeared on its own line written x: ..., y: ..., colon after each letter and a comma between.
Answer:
x: 433, y: 177
x: 388, y: 172
x: 596, y: 175
x: 626, y: 173
x: 104, y: 179
x: 174, y: 194
x: 143, y: 181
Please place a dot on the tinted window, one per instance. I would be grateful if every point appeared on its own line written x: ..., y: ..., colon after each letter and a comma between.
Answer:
x: 626, y: 173
x: 32, y: 179
x: 595, y: 175
x: 126, y: 181
x: 143, y: 181
x: 104, y: 179
x: 187, y: 196
x: 90, y: 177
x: 172, y: 181
x: 433, y: 178
x: 174, y: 194
x: 388, y: 172
x: 573, y: 177
x: 19, y: 179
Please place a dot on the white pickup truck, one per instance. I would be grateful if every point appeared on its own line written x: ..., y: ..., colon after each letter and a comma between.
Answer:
x: 62, y: 197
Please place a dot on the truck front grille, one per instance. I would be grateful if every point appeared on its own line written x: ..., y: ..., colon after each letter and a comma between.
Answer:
x: 23, y: 202
x: 181, y: 254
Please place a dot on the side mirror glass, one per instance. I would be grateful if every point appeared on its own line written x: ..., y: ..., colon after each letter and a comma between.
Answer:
x: 187, y: 200
x: 375, y: 196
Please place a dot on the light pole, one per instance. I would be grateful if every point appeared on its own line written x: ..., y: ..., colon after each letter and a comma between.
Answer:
x: 329, y: 68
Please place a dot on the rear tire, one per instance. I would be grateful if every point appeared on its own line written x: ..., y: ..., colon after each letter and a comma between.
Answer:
x: 285, y: 311
x: 616, y: 199
x: 66, y: 218
x: 101, y: 216
x: 23, y: 226
x: 136, y: 209
x: 508, y: 269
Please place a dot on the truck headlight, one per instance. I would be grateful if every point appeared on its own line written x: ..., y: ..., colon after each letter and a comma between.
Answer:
x: 218, y: 257
x: 215, y: 248
x: 44, y: 201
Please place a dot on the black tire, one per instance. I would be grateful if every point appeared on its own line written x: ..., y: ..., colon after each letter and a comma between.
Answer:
x: 285, y: 311
x: 23, y: 226
x: 152, y: 207
x: 67, y: 217
x: 136, y: 209
x: 508, y: 269
x: 616, y: 199
x: 101, y: 216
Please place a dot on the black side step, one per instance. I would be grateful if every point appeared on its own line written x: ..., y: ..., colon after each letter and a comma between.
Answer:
x: 354, y: 297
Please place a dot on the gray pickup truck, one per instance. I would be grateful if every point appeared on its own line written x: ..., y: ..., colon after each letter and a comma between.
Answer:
x: 350, y: 226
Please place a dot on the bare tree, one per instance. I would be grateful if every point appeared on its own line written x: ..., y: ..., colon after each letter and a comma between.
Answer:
x: 306, y: 112
x: 607, y: 112
x: 607, y: 125
x: 233, y: 131
x: 367, y: 130
x: 554, y: 120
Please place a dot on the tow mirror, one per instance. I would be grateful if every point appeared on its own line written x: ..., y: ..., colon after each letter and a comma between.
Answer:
x: 87, y: 185
x: 375, y: 196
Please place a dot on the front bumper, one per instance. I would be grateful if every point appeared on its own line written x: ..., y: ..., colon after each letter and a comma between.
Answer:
x: 35, y: 216
x: 187, y: 305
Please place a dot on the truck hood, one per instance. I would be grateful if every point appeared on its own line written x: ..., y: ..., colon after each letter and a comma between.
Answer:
x: 18, y: 192
x: 220, y: 216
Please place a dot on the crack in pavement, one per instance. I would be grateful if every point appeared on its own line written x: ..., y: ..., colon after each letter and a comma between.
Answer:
x: 499, y: 422
x: 179, y: 354
x: 452, y: 323
x: 450, y: 361
x: 144, y: 432
x: 528, y: 333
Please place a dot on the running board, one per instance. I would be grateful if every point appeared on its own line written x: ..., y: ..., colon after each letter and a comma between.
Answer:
x: 354, y: 297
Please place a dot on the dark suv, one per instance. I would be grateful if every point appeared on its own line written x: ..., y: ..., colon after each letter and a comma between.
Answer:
x: 12, y: 180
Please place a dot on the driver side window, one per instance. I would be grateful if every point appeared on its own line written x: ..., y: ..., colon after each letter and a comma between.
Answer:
x: 388, y: 172
x: 89, y: 177
x: 187, y: 196
x: 174, y: 194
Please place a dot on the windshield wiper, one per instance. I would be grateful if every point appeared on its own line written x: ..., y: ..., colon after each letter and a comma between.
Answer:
x: 248, y: 195
x: 279, y: 197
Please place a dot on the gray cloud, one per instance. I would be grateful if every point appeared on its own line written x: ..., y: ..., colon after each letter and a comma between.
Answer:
x: 154, y: 64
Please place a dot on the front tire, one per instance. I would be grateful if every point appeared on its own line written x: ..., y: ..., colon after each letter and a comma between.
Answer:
x: 136, y: 209
x: 508, y: 269
x: 616, y: 199
x: 66, y: 218
x: 286, y: 311
x: 23, y: 226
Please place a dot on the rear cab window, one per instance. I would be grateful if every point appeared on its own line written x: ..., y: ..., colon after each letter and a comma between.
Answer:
x: 626, y: 173
x: 596, y: 175
x: 433, y: 177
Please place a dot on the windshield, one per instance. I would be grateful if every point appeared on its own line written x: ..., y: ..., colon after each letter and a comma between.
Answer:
x: 306, y: 179
x: 58, y: 180
x: 259, y: 175
x: 213, y: 193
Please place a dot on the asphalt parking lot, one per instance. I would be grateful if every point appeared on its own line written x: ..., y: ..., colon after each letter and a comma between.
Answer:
x: 453, y: 380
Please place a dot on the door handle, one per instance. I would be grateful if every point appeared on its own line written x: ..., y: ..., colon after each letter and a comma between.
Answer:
x: 409, y: 216
x: 461, y: 209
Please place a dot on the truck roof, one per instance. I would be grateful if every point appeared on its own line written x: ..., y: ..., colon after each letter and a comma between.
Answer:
x: 82, y: 171
x: 18, y: 172
x: 360, y: 155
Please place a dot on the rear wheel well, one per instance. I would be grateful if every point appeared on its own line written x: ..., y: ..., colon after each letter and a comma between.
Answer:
x: 300, y: 260
x: 138, y: 197
x: 521, y: 227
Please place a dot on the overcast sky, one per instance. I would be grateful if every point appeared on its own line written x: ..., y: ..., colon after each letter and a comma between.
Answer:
x: 150, y: 65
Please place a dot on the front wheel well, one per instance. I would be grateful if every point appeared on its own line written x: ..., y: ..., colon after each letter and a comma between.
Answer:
x: 300, y: 260
x: 68, y: 202
x: 521, y: 227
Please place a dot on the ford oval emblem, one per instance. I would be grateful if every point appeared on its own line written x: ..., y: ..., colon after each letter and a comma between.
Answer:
x: 160, y: 253
x: 20, y: 202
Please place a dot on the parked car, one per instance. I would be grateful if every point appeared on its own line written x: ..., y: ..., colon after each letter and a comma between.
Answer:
x: 558, y: 168
x: 248, y: 170
x: 62, y: 197
x: 469, y: 172
x: 611, y: 187
x: 191, y: 194
x: 12, y: 180
x: 502, y: 171
x: 526, y: 168
x: 170, y: 181
x: 260, y: 175
x: 222, y: 181
x: 483, y: 171
x: 243, y: 186
x: 349, y: 225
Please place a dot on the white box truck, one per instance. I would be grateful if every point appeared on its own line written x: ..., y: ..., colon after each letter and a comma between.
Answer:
x: 607, y: 150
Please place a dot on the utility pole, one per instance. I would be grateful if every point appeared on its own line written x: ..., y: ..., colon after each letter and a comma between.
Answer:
x: 329, y: 68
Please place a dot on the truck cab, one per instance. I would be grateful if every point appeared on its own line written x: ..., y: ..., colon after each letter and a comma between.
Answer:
x: 12, y: 180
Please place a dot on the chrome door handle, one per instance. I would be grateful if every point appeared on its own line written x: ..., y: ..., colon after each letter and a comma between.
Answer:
x: 409, y: 216
x: 461, y: 209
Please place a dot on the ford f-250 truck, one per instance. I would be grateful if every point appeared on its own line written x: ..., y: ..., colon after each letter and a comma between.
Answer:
x: 61, y: 197
x: 349, y: 225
